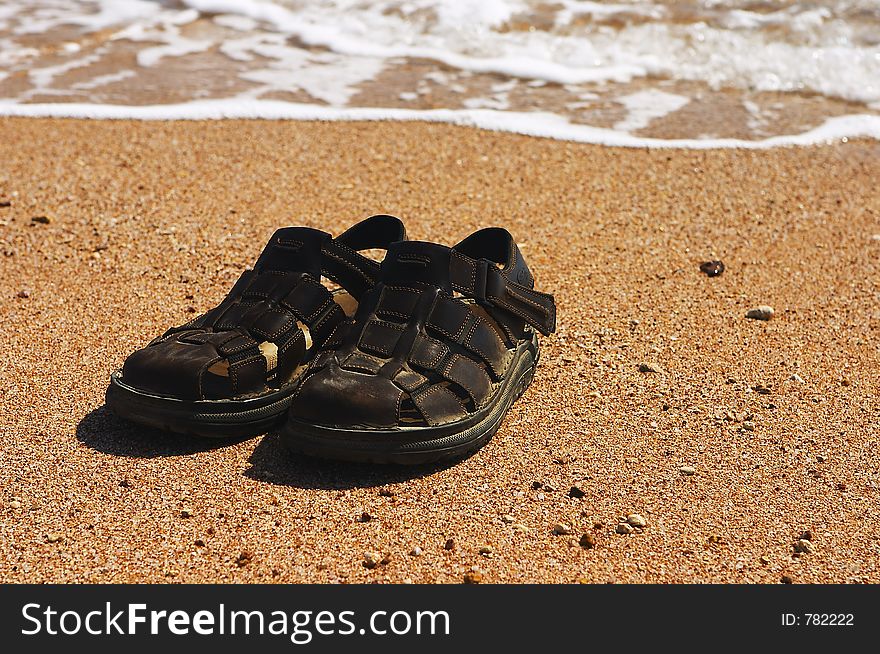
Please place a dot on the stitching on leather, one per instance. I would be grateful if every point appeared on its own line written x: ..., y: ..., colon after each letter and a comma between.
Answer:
x: 288, y: 321
x: 335, y: 310
x: 398, y: 289
x: 425, y: 363
x: 447, y: 372
x: 348, y: 264
x: 436, y: 388
x: 469, y: 343
x: 404, y: 289
x: 470, y: 263
x: 457, y: 335
x: 377, y: 346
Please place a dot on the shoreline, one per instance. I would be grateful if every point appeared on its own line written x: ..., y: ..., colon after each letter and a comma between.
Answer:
x: 834, y: 129
x: 147, y: 220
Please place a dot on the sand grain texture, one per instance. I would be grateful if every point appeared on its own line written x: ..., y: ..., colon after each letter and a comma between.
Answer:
x: 725, y: 455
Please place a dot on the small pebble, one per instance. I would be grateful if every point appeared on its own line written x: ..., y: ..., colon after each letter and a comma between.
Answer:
x: 7, y: 203
x: 712, y: 268
x: 199, y: 542
x: 763, y: 312
x: 588, y: 541
x: 635, y: 520
x: 371, y: 559
x: 54, y: 537
x: 687, y: 470
x: 416, y: 551
x: 576, y: 493
x: 15, y: 504
x: 185, y: 513
x: 243, y: 559
x: 797, y: 378
x: 521, y: 528
x: 807, y: 535
x: 23, y: 294
x: 41, y: 220
x: 365, y: 517
x: 821, y: 458
x: 449, y: 545
x: 486, y: 551
x: 561, y: 529
x: 748, y: 425
x: 624, y: 528
x: 650, y: 367
x: 508, y: 519
x: 786, y: 579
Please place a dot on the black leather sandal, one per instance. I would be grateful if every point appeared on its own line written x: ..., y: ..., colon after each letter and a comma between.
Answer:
x: 431, y: 361
x: 232, y: 371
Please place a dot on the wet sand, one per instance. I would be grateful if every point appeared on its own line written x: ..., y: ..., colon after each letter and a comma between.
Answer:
x: 777, y: 421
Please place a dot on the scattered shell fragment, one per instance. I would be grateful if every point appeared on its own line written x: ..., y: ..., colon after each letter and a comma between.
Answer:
x: 803, y: 546
x: 687, y: 470
x: 636, y: 520
x: 762, y: 312
x: 371, y: 559
x: 561, y: 529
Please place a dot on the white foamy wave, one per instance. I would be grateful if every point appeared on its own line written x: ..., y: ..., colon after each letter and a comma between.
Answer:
x: 719, y: 73
x: 532, y: 124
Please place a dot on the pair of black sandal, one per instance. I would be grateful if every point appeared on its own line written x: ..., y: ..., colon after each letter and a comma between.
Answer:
x: 411, y: 361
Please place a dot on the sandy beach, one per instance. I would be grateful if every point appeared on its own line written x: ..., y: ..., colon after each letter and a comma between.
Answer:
x: 747, y: 434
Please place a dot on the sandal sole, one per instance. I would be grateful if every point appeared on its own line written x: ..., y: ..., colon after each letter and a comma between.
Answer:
x: 203, y: 418
x: 416, y: 445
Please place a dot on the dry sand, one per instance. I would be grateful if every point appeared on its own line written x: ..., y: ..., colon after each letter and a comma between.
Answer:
x: 149, y: 219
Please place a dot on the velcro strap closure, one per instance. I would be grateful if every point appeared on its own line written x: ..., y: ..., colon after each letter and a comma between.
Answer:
x: 481, y: 280
x: 536, y: 308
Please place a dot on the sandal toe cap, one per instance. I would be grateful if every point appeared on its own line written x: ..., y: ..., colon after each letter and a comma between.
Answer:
x: 169, y: 369
x: 340, y: 398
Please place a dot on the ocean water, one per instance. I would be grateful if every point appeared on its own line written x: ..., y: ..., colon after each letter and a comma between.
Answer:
x: 690, y: 73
